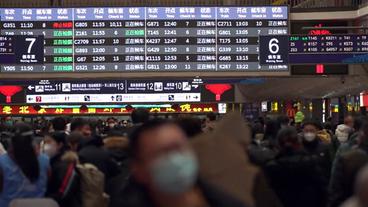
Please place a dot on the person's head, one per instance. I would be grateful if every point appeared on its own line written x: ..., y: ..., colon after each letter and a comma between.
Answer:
x: 140, y: 116
x: 257, y: 132
x: 272, y: 128
x: 283, y: 120
x: 81, y: 126
x: 125, y: 123
x: 210, y: 117
x: 55, y: 143
x: 23, y: 151
x: 349, y: 121
x: 310, y: 130
x: 73, y: 141
x: 162, y: 159
x: 190, y: 125
x: 327, y: 126
x: 288, y: 139
x: 358, y: 122
x: 363, y: 133
x: 342, y: 133
x: 361, y: 186
x: 59, y: 124
x: 111, y: 122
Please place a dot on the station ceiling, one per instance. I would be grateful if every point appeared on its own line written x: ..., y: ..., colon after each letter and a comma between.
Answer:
x: 288, y: 88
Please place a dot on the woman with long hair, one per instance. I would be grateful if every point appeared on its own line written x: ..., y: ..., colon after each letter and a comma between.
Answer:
x: 23, y: 173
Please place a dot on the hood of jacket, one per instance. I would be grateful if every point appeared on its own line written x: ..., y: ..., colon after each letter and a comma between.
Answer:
x: 342, y: 132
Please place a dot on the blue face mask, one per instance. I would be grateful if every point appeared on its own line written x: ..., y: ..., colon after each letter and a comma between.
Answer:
x: 9, y: 123
x: 175, y: 173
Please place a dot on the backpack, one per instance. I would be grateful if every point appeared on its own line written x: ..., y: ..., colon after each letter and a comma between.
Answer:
x: 92, y: 186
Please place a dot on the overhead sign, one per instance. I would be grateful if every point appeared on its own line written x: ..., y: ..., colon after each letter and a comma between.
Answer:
x: 103, y: 110
x: 315, y: 49
x: 113, y: 91
x: 146, y: 39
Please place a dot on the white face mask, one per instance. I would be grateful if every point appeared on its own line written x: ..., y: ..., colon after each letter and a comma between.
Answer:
x: 50, y: 150
x: 310, y: 136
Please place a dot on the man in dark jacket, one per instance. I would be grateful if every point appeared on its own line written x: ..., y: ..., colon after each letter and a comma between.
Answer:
x: 138, y: 116
x: 346, y: 168
x: 314, y: 146
x: 295, y: 175
x: 165, y: 171
x: 91, y: 150
x: 259, y: 151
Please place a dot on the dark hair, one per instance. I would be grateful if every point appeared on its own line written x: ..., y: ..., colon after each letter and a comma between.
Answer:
x: 261, y: 120
x: 327, y: 126
x: 111, y: 119
x: 359, y: 121
x: 257, y: 128
x: 74, y: 138
x: 364, y: 133
x: 140, y: 115
x: 59, y: 124
x: 60, y: 138
x: 136, y: 135
x: 314, y: 123
x: 23, y: 151
x: 78, y: 123
x: 212, y: 116
x: 287, y: 138
x: 283, y: 120
x: 190, y: 125
x: 272, y: 128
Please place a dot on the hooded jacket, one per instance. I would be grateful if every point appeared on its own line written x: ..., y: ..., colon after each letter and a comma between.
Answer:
x: 345, y: 172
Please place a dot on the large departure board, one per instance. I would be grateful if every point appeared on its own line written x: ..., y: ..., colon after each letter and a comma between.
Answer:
x: 125, y: 39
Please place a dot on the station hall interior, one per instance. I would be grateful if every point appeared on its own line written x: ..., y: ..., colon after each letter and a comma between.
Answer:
x: 186, y: 103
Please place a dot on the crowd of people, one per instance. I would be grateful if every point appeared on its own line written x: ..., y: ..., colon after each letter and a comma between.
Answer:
x: 186, y: 162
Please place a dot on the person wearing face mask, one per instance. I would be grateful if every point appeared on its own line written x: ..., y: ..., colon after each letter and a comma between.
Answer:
x: 23, y: 172
x: 90, y: 149
x: 294, y: 174
x: 111, y: 125
x: 346, y: 168
x: 165, y: 171
x: 259, y: 151
x: 62, y: 170
x: 314, y: 146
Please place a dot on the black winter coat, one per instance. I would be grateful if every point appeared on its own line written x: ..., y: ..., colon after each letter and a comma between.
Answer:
x: 323, y: 153
x: 297, y: 179
x: 346, y: 168
x: 260, y: 154
x: 63, y: 174
x: 93, y: 153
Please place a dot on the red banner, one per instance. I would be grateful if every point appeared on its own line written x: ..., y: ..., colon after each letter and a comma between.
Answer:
x: 30, y: 110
